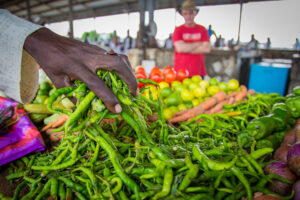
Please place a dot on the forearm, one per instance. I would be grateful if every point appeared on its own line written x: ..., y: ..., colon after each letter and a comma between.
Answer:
x: 186, y: 47
x: 14, y: 63
x: 202, y: 48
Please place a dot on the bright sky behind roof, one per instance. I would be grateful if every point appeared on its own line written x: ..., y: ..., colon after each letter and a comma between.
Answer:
x: 279, y: 20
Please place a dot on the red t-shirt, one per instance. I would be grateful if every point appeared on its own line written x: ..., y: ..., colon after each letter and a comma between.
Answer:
x: 194, y: 63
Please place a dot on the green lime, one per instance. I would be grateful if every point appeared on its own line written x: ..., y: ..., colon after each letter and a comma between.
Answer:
x: 166, y: 92
x: 167, y: 113
x: 213, y: 81
x: 181, y: 107
x: 188, y: 104
x: 40, y: 99
x: 196, y: 78
x: 45, y: 86
x: 223, y: 86
x: 173, y: 100
x: 174, y: 109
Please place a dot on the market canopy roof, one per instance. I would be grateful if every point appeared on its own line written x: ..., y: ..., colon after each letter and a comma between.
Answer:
x: 58, y: 10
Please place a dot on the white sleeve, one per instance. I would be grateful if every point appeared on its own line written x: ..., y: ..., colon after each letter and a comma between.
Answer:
x: 18, y: 70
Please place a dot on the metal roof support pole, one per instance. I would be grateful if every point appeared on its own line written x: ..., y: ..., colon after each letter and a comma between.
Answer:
x: 28, y: 10
x: 141, y: 35
x: 240, y: 22
x: 71, y: 33
x: 151, y: 8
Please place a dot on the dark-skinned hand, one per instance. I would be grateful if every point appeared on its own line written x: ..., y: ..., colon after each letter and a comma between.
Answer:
x: 65, y: 60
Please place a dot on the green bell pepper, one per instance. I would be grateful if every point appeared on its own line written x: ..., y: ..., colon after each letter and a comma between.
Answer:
x: 293, y: 105
x: 269, y: 142
x: 245, y: 140
x: 261, y: 127
x: 281, y: 116
x: 296, y: 90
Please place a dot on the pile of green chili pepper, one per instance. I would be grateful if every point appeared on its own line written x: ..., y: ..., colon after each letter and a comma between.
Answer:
x: 132, y: 158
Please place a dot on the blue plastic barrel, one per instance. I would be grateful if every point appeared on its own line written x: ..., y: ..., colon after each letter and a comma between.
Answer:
x: 269, y: 77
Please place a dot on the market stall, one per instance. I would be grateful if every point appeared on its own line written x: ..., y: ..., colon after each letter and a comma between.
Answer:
x: 182, y: 138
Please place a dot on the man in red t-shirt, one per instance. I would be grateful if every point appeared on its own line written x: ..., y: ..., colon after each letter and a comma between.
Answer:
x: 191, y: 42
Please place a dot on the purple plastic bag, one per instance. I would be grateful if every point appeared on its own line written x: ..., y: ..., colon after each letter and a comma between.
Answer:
x: 21, y: 138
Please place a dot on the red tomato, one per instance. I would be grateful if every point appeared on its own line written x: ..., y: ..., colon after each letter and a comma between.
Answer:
x: 167, y: 69
x: 155, y: 70
x: 140, y: 70
x: 182, y: 74
x: 141, y: 76
x: 170, y: 76
x: 156, y: 78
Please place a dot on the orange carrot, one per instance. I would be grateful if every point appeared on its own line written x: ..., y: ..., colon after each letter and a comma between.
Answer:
x: 232, y: 94
x: 231, y: 100
x: 56, y: 136
x: 242, y: 94
x: 56, y: 123
x: 251, y: 92
x: 201, y: 108
x: 181, y: 112
x: 153, y: 117
x: 217, y: 107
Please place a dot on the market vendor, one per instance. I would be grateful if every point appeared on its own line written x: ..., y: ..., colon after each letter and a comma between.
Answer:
x: 24, y: 46
x: 191, y: 42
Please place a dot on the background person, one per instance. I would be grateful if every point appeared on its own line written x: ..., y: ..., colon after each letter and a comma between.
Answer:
x: 24, y: 44
x: 191, y: 42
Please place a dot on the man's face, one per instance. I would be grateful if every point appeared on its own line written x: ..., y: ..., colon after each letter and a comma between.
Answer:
x: 189, y: 16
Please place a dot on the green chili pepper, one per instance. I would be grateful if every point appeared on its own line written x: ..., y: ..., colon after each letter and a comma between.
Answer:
x: 191, y: 174
x: 117, y: 166
x: 61, y: 191
x: 17, y: 175
x: 45, y: 191
x: 124, y: 100
x: 58, y: 159
x: 82, y: 107
x: 55, y: 95
x: 213, y: 165
x: 243, y: 180
x: 117, y: 188
x: 59, y: 166
x: 18, y: 190
x: 71, y: 184
x: 261, y: 152
x: 54, y: 188
x: 168, y: 179
x: 89, y: 173
x: 133, y: 124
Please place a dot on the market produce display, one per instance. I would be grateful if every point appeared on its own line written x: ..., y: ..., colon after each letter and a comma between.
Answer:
x: 143, y: 153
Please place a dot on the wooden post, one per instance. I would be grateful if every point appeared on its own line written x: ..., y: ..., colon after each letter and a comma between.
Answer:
x: 71, y: 33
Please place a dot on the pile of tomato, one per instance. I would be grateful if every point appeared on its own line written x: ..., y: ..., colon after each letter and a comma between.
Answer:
x: 168, y: 74
x: 178, y: 91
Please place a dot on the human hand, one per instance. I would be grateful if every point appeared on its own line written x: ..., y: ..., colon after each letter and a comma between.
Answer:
x: 65, y: 60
